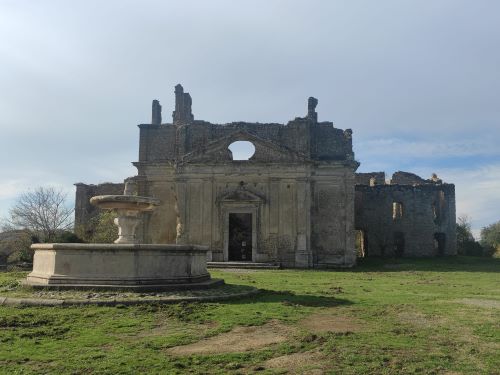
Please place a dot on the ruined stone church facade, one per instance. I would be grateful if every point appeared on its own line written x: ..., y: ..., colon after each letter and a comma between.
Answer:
x: 297, y: 201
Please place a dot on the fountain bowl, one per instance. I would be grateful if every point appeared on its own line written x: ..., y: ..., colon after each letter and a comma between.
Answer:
x: 127, y: 208
x: 125, y: 202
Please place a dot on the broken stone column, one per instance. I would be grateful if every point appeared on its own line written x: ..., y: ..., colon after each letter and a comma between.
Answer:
x: 311, y: 109
x: 156, y: 113
x: 183, y: 113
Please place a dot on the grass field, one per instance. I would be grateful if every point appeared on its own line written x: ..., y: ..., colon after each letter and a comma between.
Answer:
x: 438, y: 316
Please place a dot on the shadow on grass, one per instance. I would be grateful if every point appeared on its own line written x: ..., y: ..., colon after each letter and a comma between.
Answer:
x: 438, y: 264
x: 292, y: 299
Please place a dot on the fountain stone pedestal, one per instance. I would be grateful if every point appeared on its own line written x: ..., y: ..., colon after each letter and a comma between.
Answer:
x: 119, y: 266
x: 125, y: 264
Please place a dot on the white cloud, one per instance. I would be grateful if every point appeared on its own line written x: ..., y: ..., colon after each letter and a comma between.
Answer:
x: 477, y: 188
x: 27, y: 180
x: 87, y: 169
x: 11, y: 188
x: 71, y: 94
x: 385, y: 147
x: 477, y: 193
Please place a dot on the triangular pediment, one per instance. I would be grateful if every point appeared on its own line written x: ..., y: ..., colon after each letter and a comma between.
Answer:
x: 266, y: 151
x: 240, y: 195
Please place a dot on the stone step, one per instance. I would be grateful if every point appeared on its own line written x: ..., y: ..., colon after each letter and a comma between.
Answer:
x: 248, y: 265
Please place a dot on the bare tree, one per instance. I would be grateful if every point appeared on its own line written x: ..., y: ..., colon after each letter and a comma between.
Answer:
x: 42, y: 211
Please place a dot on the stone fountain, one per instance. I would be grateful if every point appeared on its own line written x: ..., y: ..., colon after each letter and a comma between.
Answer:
x: 126, y: 264
x: 127, y: 208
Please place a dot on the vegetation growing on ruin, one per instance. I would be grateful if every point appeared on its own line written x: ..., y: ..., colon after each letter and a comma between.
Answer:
x: 99, y: 229
x: 433, y: 316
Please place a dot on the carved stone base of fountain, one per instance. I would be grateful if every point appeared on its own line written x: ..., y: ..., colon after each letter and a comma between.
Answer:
x: 120, y: 266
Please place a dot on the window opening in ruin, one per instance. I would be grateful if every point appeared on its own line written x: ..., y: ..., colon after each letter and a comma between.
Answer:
x: 439, y: 243
x: 240, y: 237
x: 397, y: 210
x: 399, y: 243
x: 360, y: 243
x: 242, y: 150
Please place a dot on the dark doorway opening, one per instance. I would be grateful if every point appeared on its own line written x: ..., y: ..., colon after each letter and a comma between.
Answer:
x: 399, y: 244
x: 439, y: 243
x: 240, y: 237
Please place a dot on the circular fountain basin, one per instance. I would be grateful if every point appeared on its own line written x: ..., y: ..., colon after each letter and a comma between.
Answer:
x: 120, y: 266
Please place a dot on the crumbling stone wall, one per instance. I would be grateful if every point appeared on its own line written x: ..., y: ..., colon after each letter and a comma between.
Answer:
x: 303, y: 135
x: 414, y: 217
x: 318, y: 141
x: 331, y: 214
x: 406, y: 178
x: 299, y: 173
x: 370, y: 178
x: 300, y: 187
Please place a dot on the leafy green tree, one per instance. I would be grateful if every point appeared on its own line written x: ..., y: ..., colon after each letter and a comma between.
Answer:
x: 466, y: 244
x: 15, y: 246
x: 490, y: 238
x: 464, y: 229
x: 99, y: 229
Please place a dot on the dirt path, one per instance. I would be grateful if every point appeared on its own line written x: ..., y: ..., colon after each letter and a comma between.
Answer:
x: 240, y: 339
x: 330, y: 321
x: 311, y: 363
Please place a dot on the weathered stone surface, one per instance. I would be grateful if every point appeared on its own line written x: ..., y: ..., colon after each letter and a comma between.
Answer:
x: 156, y: 113
x: 298, y: 174
x: 299, y: 187
x: 378, y: 178
x: 182, y: 113
x: 84, y: 211
x: 117, y: 265
x: 425, y: 220
x: 406, y: 178
x: 127, y: 208
x: 311, y: 109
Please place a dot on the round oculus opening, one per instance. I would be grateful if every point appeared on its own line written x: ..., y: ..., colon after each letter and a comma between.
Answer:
x: 242, y: 150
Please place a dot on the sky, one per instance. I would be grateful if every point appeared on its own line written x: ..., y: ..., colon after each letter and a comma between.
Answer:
x: 417, y: 81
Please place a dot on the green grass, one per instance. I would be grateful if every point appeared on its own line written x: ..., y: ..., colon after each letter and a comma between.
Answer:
x: 438, y: 316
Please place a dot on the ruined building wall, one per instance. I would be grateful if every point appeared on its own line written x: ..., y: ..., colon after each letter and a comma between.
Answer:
x: 300, y: 187
x: 292, y: 210
x: 406, y: 178
x: 84, y: 211
x: 318, y: 141
x: 332, y: 216
x: 299, y: 174
x: 370, y: 178
x: 304, y: 136
x: 407, y: 220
